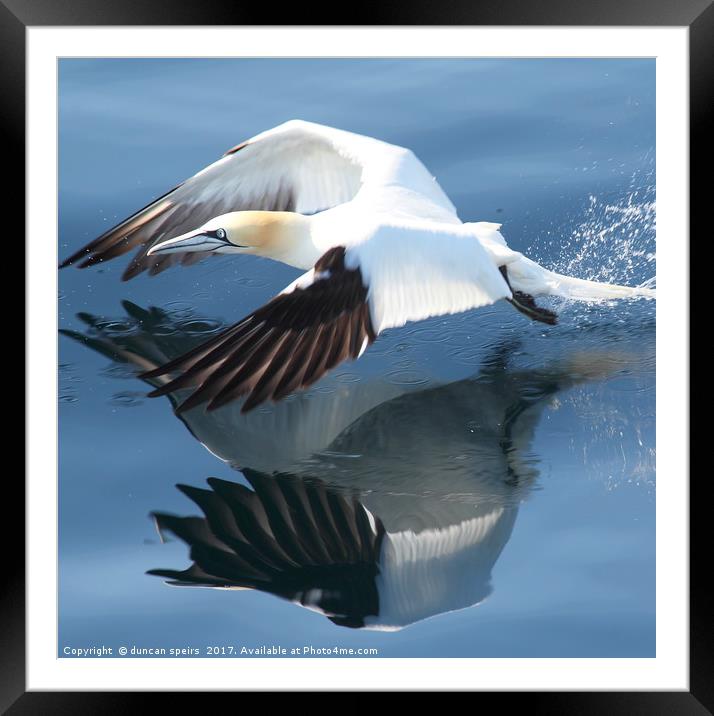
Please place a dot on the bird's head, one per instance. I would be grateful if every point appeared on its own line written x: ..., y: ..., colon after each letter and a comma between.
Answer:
x: 265, y: 233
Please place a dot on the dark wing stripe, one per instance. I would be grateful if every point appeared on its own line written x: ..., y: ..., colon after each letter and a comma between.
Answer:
x: 121, y: 235
x: 191, y: 216
x: 364, y: 530
x: 323, y: 515
x: 222, y: 564
x: 344, y: 520
x: 193, y: 358
x: 248, y: 376
x: 295, y: 370
x: 222, y: 519
x: 339, y: 565
x: 212, y: 377
x: 194, y: 576
x: 250, y: 515
x: 188, y: 529
x: 165, y: 216
x: 235, y: 149
x: 279, y: 523
x: 340, y: 344
x: 221, y: 370
x: 298, y: 543
x: 316, y: 366
x: 223, y: 523
x: 276, y: 510
x: 288, y: 344
x: 297, y: 496
x: 263, y: 178
x: 266, y: 384
x: 114, y: 250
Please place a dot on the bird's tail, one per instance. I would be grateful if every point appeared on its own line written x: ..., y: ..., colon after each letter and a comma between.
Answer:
x: 584, y: 290
x: 531, y: 278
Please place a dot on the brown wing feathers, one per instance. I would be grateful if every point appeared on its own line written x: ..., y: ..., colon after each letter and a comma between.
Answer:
x: 123, y: 237
x: 288, y: 344
x: 300, y: 540
x: 174, y: 213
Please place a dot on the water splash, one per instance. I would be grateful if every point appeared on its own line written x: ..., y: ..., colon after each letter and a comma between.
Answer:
x: 614, y: 241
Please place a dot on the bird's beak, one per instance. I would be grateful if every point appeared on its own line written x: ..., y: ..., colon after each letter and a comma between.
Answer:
x: 192, y: 241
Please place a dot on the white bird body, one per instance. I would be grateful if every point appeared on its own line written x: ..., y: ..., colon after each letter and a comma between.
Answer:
x: 386, y: 244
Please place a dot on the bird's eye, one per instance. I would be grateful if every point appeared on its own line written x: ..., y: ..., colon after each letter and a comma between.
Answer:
x: 221, y: 234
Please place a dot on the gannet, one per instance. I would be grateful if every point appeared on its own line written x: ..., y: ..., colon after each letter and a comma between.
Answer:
x: 379, y: 239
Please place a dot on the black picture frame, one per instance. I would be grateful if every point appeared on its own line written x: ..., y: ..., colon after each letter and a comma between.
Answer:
x: 697, y: 15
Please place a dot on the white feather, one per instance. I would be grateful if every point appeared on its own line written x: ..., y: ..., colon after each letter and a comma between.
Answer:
x: 439, y: 570
x: 319, y: 166
x: 415, y: 273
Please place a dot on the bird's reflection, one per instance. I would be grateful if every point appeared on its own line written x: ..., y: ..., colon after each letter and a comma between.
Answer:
x: 325, y: 550
x: 375, y: 506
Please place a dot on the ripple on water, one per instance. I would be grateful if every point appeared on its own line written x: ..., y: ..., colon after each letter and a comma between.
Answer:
x: 404, y: 363
x: 199, y: 326
x: 120, y: 371
x: 470, y: 355
x: 433, y: 335
x: 127, y: 399
x: 407, y: 377
x: 251, y: 282
x: 323, y: 390
x: 179, y: 309
x: 115, y: 327
x: 347, y: 378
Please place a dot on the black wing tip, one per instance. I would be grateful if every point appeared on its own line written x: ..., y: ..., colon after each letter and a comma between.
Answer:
x: 157, y: 572
x: 156, y: 392
x: 291, y: 555
x: 154, y: 372
x: 84, y: 259
x: 188, y: 490
x: 282, y: 347
x: 75, y: 258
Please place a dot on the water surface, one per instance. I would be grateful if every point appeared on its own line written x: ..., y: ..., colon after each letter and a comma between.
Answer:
x: 505, y: 469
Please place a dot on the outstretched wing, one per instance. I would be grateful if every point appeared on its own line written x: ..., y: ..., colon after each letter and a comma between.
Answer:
x: 333, y: 312
x: 317, y: 322
x: 298, y: 540
x: 297, y: 166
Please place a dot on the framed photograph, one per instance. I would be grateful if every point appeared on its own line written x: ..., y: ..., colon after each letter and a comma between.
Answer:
x: 347, y: 363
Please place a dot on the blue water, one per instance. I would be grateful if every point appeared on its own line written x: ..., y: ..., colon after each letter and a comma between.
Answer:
x: 511, y: 464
